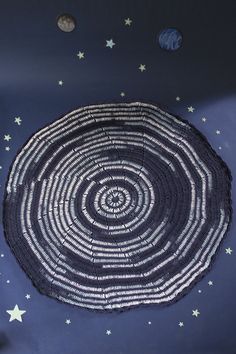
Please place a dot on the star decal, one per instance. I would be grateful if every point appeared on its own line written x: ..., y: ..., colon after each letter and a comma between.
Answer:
x: 27, y: 296
x: 228, y: 250
x: 210, y: 283
x: 60, y: 82
x: 177, y: 98
x: 80, y: 55
x: 196, y: 313
x: 149, y: 322
x: 142, y: 67
x: 110, y: 43
x: 218, y: 132
x: 122, y: 94
x: 68, y: 321
x: 204, y: 119
x: 7, y: 148
x: 15, y: 314
x: 7, y: 137
x: 18, y: 120
x: 128, y: 21
x: 108, y: 332
x: 191, y: 109
x: 181, y: 324
x: 199, y: 291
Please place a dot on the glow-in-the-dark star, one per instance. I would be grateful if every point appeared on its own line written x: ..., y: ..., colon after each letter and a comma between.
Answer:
x: 110, y: 43
x: 15, y: 314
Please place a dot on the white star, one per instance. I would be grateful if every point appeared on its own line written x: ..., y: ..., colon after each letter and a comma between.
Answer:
x: 195, y: 313
x: 80, y: 55
x: 191, y: 109
x: 0, y: 167
x: 8, y: 281
x: 217, y: 132
x: 199, y: 291
x: 149, y: 322
x: 18, y: 120
x: 177, y: 98
x: 204, y: 119
x: 68, y: 321
x: 2, y: 255
x: 181, y: 324
x: 60, y: 83
x: 7, y: 148
x: 228, y: 250
x: 7, y: 137
x: 122, y: 94
x: 220, y: 147
x: 128, y: 21
x: 210, y: 283
x: 108, y: 332
x: 142, y: 67
x: 15, y: 314
x: 27, y: 296
x: 110, y: 43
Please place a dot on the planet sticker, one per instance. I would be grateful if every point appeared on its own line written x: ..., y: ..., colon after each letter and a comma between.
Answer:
x: 66, y: 23
x: 170, y: 39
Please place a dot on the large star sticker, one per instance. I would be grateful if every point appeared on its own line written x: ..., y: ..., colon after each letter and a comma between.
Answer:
x: 15, y: 314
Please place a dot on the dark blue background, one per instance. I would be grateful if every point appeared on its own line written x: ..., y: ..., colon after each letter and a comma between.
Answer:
x: 34, y: 56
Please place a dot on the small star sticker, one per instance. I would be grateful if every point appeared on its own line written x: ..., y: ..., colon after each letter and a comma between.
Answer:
x: 149, y: 322
x: 191, y: 109
x: 196, y: 313
x: 210, y: 283
x: 15, y: 314
x: 80, y: 55
x: 27, y: 296
x: 204, y: 119
x: 18, y: 120
x: 0, y: 167
x: 110, y: 43
x: 108, y: 332
x: 142, y: 67
x: 177, y: 98
x: 2, y: 255
x: 8, y: 281
x: 122, y: 94
x: 128, y: 22
x: 68, y: 321
x: 220, y: 147
x: 7, y: 148
x: 228, y: 250
x: 217, y: 132
x: 60, y: 83
x: 7, y: 137
x: 199, y: 291
x: 181, y: 324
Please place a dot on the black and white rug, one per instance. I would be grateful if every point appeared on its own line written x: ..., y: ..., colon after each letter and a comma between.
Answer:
x: 116, y: 205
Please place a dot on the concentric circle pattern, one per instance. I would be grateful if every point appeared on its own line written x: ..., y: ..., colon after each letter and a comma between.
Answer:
x: 116, y: 205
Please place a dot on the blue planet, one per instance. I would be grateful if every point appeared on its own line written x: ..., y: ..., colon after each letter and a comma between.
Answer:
x: 170, y: 39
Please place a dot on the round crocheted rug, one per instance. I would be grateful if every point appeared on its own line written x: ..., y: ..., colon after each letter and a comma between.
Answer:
x: 116, y: 205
